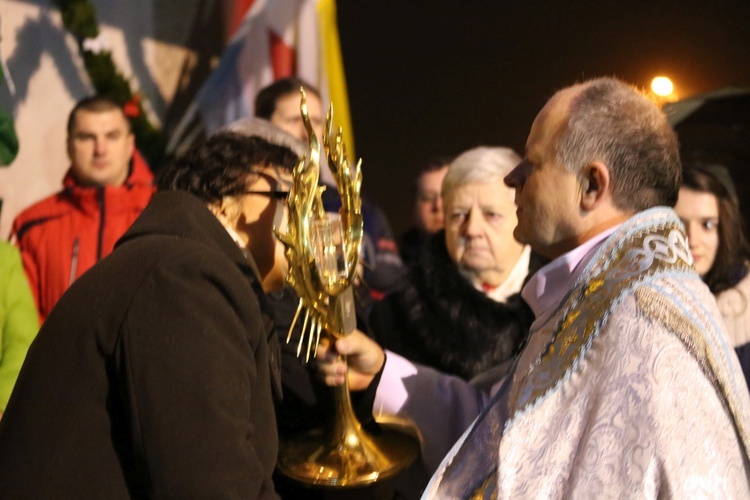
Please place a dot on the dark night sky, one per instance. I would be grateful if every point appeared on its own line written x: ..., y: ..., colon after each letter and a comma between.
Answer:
x: 440, y: 77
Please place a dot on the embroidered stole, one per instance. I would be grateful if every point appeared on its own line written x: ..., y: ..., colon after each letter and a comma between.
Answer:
x: 649, y: 245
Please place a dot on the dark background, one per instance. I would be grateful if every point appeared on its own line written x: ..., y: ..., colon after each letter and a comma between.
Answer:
x: 440, y: 77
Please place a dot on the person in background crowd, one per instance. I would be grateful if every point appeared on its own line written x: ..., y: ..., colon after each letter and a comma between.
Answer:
x: 461, y: 311
x: 19, y: 321
x: 155, y: 374
x: 383, y: 269
x: 428, y: 210
x: 709, y: 209
x: 626, y: 387
x: 105, y: 189
x: 279, y: 104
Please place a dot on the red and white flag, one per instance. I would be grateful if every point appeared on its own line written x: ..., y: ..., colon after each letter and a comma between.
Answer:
x: 277, y: 39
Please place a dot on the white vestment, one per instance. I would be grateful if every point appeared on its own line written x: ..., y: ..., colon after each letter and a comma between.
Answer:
x: 628, y: 388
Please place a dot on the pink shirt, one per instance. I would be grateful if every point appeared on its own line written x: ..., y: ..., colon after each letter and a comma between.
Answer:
x: 547, y: 288
x: 452, y: 399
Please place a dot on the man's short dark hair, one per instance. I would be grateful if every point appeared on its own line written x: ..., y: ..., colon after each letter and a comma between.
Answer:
x: 435, y: 163
x: 223, y: 165
x: 94, y: 104
x: 265, y: 101
x: 612, y: 122
x: 431, y: 165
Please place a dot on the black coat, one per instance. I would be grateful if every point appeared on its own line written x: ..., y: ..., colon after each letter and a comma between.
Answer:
x: 154, y: 375
x: 439, y: 319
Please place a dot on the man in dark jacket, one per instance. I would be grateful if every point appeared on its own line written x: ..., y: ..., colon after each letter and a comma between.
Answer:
x: 428, y: 210
x: 155, y: 375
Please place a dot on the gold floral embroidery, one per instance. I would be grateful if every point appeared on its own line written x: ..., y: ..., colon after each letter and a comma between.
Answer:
x: 621, y: 266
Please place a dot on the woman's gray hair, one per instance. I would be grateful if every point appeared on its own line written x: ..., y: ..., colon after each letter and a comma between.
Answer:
x: 479, y: 165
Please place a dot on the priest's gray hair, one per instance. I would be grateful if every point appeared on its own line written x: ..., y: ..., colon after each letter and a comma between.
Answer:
x: 614, y: 123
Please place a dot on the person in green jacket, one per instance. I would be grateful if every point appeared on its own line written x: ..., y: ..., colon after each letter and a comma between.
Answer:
x: 19, y: 321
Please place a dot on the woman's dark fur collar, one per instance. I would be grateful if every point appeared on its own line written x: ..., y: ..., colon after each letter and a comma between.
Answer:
x: 461, y: 328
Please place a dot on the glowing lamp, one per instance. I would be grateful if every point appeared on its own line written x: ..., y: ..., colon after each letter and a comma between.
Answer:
x: 662, y: 86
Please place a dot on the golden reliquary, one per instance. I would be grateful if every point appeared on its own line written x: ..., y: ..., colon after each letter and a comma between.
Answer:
x: 323, y: 252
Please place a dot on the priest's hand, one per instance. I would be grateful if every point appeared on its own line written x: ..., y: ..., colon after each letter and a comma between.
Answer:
x: 365, y: 359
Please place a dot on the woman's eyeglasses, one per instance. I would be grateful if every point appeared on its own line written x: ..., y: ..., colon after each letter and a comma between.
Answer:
x: 276, y: 195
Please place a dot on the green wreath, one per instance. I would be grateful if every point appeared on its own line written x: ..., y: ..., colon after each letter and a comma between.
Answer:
x: 79, y: 17
x: 8, y: 138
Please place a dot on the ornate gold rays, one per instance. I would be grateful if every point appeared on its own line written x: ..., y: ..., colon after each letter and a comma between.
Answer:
x: 318, y: 293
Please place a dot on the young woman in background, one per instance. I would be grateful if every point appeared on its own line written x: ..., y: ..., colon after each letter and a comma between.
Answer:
x: 709, y: 208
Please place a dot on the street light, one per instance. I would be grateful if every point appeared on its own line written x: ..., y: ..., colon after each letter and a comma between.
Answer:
x: 663, y: 89
x: 662, y: 86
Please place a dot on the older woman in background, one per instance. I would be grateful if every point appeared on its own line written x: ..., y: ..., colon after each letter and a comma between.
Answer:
x: 709, y: 208
x: 461, y: 312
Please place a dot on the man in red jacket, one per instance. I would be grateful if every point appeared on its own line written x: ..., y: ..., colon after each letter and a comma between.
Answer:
x: 105, y: 189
